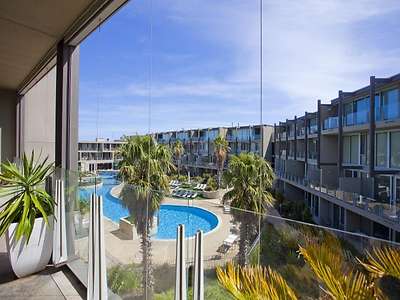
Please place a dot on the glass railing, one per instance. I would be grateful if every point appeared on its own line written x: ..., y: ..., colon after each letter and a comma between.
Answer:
x: 313, y: 129
x: 312, y: 155
x: 356, y: 118
x: 331, y: 123
x: 140, y: 238
x: 386, y: 210
x: 301, y: 131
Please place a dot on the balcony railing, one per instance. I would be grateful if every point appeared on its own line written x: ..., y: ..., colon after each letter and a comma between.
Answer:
x: 313, y: 129
x: 138, y: 263
x: 331, y: 123
x: 356, y: 118
x: 387, y: 211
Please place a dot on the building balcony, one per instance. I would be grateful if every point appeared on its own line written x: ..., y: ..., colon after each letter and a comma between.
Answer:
x: 384, y: 213
x: 331, y: 123
x: 356, y: 118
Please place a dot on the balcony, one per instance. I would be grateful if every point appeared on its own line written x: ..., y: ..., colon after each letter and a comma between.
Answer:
x: 362, y: 204
x: 331, y: 123
x: 313, y: 129
x: 356, y: 118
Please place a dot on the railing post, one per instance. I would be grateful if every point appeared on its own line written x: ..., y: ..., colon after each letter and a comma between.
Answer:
x: 198, y: 288
x: 60, y: 255
x: 97, y: 273
x: 180, y: 274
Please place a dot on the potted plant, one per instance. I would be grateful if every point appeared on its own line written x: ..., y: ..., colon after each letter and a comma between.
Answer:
x: 26, y: 217
x: 211, y: 191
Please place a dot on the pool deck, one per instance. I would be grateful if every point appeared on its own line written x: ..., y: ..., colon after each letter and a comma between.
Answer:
x: 121, y: 250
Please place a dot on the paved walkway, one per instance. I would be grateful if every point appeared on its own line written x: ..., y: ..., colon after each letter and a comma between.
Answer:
x: 122, y: 250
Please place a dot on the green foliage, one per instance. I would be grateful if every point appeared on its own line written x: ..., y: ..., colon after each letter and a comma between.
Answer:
x: 211, y: 184
x: 84, y: 206
x: 251, y: 178
x: 123, y: 279
x: 29, y: 200
x: 294, y: 210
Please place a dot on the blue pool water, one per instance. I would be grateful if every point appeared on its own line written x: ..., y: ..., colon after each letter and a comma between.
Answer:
x: 168, y: 216
x: 194, y: 218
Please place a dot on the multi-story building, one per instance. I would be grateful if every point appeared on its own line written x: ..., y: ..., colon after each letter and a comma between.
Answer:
x: 199, y: 144
x: 344, y: 159
x: 98, y: 155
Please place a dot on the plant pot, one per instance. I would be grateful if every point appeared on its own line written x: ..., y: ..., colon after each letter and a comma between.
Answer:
x: 212, y: 194
x: 126, y: 228
x: 33, y: 257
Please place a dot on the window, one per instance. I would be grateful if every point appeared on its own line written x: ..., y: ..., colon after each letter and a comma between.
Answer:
x: 387, y: 106
x: 363, y: 149
x: 356, y: 112
x: 383, y: 188
x: 395, y: 149
x: 381, y: 149
x: 351, y: 149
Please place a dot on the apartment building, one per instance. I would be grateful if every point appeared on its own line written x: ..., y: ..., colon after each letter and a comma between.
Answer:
x: 199, y: 156
x: 344, y: 159
x: 96, y: 155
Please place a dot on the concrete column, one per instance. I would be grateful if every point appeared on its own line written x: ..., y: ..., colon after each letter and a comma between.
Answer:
x: 371, y: 165
x: 340, y: 134
x: 67, y: 93
x: 287, y: 139
x: 295, y: 137
x: 305, y: 144
x: 319, y: 135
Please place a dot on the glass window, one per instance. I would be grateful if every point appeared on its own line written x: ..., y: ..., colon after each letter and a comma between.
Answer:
x: 395, y: 149
x: 363, y: 149
x: 346, y: 149
x: 381, y: 149
x: 391, y: 100
x: 354, y: 149
x: 361, y: 108
x: 383, y: 188
x: 348, y: 114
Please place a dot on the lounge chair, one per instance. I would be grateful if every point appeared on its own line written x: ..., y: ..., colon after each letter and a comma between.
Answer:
x: 194, y: 195
x: 227, y: 209
x: 230, y: 240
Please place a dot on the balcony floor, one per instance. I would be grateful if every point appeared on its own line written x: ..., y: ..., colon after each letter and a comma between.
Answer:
x: 51, y: 283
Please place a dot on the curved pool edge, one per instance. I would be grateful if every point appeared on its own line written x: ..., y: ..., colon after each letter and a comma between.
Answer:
x: 193, y: 236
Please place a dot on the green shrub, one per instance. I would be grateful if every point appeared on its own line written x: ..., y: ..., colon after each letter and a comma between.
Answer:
x: 123, y: 279
x: 212, y: 184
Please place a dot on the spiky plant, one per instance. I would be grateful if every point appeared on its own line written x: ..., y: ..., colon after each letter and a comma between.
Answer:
x: 250, y: 283
x: 338, y: 279
x: 221, y: 149
x: 383, y: 261
x: 24, y: 184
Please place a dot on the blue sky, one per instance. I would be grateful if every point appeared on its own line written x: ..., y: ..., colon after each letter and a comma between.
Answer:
x: 205, y: 58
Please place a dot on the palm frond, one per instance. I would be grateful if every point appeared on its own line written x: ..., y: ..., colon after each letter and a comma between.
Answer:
x: 383, y: 261
x: 245, y: 283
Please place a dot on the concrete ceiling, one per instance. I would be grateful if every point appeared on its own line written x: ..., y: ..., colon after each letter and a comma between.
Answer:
x: 28, y: 30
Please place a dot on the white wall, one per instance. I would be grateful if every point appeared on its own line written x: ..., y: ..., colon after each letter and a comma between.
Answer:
x: 39, y: 117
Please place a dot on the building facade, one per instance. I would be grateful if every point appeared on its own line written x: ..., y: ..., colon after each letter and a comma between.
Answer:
x: 344, y: 159
x: 199, y: 155
x: 98, y: 155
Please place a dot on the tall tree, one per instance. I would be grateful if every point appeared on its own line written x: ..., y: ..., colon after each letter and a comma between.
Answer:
x: 144, y: 168
x: 221, y: 149
x: 178, y: 152
x: 250, y: 180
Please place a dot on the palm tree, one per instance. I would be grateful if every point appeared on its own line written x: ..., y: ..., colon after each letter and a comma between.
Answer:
x: 178, y: 152
x: 221, y: 149
x: 250, y: 178
x: 144, y: 168
x: 247, y: 283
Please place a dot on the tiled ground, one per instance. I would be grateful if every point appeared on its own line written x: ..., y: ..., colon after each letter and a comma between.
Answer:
x: 47, y: 285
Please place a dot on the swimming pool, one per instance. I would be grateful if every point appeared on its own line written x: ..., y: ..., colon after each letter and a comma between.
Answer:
x: 194, y: 218
x: 168, y: 216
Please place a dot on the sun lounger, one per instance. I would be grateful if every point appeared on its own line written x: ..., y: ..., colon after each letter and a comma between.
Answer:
x: 194, y: 195
x: 230, y: 240
x: 227, y: 209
